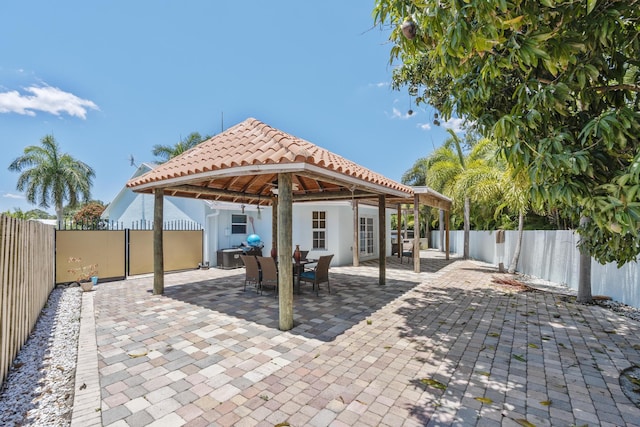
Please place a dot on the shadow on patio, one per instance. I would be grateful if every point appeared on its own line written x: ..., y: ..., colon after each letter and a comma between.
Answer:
x: 482, y: 345
x: 355, y: 295
x: 444, y: 347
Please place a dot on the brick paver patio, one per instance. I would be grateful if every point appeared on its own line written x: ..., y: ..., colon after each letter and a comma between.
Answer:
x: 446, y: 346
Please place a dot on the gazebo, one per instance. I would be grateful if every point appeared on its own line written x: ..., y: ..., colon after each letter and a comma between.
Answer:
x: 255, y: 163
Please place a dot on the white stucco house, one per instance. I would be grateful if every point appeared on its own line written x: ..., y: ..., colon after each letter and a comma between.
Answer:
x: 320, y: 227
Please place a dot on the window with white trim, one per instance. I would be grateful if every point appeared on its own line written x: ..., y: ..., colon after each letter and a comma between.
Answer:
x: 319, y: 229
x: 238, y: 224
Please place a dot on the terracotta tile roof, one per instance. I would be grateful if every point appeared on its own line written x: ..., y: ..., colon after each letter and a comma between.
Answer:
x: 253, y: 143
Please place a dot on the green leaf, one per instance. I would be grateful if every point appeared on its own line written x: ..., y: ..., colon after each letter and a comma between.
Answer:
x: 545, y: 403
x: 524, y: 422
x: 510, y: 22
x: 433, y: 383
x: 484, y: 400
x: 519, y: 357
x: 632, y: 191
x: 591, y: 4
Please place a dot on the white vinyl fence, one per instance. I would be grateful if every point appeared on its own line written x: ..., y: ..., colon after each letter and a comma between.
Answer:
x: 551, y: 255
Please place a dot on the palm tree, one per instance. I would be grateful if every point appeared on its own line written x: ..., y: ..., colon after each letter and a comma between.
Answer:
x: 417, y: 174
x: 512, y: 188
x: 51, y: 177
x: 166, y: 152
x: 461, y: 176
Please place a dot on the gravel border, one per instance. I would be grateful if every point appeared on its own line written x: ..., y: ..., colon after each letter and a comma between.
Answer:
x: 39, y: 387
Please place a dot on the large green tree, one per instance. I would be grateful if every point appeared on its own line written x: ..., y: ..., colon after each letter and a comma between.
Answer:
x: 49, y: 177
x: 556, y: 82
x: 166, y: 152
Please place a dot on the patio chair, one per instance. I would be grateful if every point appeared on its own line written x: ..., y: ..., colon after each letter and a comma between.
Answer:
x: 320, y: 274
x: 252, y: 271
x: 269, y: 273
x: 407, y: 250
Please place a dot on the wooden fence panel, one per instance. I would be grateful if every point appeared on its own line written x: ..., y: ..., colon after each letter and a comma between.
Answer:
x: 104, y: 250
x: 26, y: 280
x: 182, y: 250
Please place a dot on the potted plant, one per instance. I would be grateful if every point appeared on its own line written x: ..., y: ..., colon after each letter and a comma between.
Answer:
x: 85, y: 275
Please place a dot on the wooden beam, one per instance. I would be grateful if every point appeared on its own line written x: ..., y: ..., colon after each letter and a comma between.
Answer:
x: 356, y: 228
x: 399, y: 229
x: 199, y: 191
x: 416, y: 234
x: 382, y: 239
x: 274, y: 226
x: 441, y: 228
x: 333, y: 195
x: 446, y: 224
x: 195, y: 189
x: 158, y: 250
x: 434, y: 202
x: 285, y: 263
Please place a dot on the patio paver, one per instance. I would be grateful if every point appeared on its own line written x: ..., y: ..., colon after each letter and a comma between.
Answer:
x: 442, y: 347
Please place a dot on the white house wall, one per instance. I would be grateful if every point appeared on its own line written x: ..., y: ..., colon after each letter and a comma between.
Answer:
x: 131, y: 208
x: 140, y: 208
x: 339, y: 230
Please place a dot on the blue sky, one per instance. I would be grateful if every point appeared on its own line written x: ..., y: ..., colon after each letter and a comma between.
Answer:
x: 111, y: 79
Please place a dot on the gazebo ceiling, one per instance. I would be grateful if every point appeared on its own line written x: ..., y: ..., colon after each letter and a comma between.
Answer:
x: 242, y: 165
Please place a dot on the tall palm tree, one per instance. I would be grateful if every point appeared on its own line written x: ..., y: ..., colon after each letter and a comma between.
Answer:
x: 456, y: 175
x: 512, y: 189
x: 51, y: 177
x: 417, y: 176
x: 166, y: 152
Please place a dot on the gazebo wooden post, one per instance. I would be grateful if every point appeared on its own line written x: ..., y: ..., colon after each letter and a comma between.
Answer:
x: 382, y: 239
x: 446, y: 224
x: 399, y: 227
x: 274, y: 224
x: 285, y: 263
x: 416, y: 233
x: 441, y: 228
x: 356, y: 241
x: 158, y: 250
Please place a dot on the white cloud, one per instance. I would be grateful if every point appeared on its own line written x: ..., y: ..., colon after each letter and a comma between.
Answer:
x: 424, y: 126
x: 45, y: 98
x: 13, y: 196
x: 379, y: 84
x: 397, y: 114
x: 455, y: 124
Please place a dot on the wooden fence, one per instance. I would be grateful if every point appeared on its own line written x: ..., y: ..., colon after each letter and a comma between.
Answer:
x: 26, y: 280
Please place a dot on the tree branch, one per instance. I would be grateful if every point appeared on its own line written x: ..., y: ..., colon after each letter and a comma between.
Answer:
x: 632, y: 88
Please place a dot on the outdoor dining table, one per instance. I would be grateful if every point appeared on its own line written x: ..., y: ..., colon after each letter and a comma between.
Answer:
x: 298, y: 269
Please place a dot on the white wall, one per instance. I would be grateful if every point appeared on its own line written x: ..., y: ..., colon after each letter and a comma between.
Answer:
x: 216, y: 219
x: 133, y: 208
x: 339, y: 230
x: 552, y: 255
